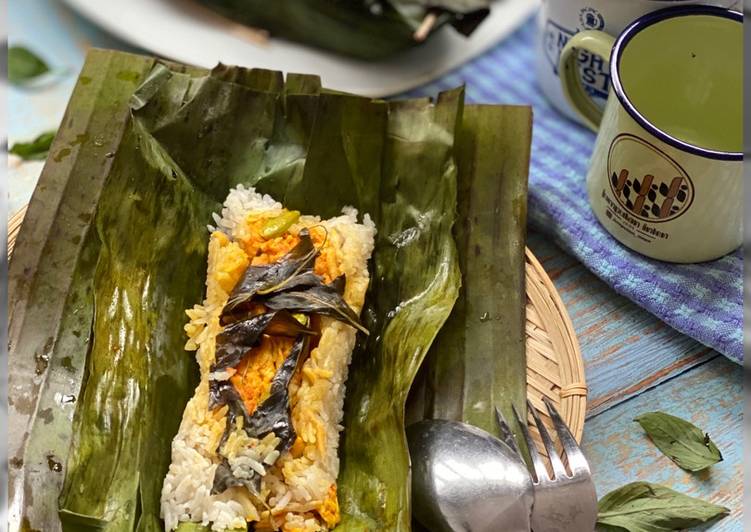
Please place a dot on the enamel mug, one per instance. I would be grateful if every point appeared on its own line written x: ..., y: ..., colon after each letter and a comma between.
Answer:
x: 665, y: 176
x: 559, y: 20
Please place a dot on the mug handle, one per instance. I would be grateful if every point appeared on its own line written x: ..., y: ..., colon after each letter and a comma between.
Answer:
x: 596, y: 42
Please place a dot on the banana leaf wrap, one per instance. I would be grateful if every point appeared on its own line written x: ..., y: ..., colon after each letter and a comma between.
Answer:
x: 365, y: 29
x: 114, y: 249
x: 478, y: 362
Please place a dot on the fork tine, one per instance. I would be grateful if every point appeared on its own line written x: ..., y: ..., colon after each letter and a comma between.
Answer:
x: 555, y: 460
x: 506, y: 435
x: 576, y: 460
x: 541, y: 472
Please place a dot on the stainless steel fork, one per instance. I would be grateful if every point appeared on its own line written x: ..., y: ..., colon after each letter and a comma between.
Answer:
x: 567, y: 502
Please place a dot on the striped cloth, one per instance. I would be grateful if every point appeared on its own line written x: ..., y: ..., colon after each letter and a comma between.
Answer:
x: 704, y: 301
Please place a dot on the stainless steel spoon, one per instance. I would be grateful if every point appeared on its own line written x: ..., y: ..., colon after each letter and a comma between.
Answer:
x: 465, y: 480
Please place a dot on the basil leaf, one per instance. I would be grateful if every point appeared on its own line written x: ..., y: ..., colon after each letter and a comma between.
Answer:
x: 325, y: 300
x: 24, y: 65
x: 36, y: 150
x: 273, y: 415
x: 234, y: 342
x: 273, y: 277
x: 682, y: 442
x: 646, y: 507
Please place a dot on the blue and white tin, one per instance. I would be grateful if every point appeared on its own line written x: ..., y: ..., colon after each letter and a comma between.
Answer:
x: 559, y: 20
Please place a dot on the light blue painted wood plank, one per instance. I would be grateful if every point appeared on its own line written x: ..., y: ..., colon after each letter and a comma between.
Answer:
x: 626, y: 349
x: 711, y: 397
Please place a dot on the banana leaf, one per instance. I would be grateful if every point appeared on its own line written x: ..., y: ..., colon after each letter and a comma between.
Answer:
x: 478, y: 362
x: 365, y: 29
x: 114, y: 249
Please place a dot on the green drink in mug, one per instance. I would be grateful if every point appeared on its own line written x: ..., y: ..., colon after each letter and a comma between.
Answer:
x: 665, y: 177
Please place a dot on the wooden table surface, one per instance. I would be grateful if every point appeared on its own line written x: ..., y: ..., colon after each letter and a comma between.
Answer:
x: 634, y: 362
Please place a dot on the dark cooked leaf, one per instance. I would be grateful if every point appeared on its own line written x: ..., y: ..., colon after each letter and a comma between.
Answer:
x: 275, y: 276
x: 222, y: 392
x: 302, y: 280
x: 683, y: 442
x: 325, y: 300
x: 359, y: 28
x: 285, y: 324
x: 245, y: 289
x: 237, y: 339
x: 273, y: 414
x: 339, y: 284
x: 294, y: 264
x: 24, y: 65
x: 35, y: 150
x: 645, y: 507
x: 223, y: 478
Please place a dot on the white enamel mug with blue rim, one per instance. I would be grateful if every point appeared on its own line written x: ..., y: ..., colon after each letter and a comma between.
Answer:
x: 665, y: 177
x: 559, y: 20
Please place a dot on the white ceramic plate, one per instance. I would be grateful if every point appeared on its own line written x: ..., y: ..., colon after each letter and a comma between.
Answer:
x: 188, y: 32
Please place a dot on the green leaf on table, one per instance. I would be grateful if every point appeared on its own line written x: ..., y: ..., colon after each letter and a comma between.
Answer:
x: 684, y: 443
x: 35, y: 150
x: 24, y: 65
x: 646, y: 507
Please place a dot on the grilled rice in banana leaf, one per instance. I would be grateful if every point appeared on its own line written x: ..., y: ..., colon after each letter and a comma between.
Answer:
x: 366, y: 29
x: 258, y: 440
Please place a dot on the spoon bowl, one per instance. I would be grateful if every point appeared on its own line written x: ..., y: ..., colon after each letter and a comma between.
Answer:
x: 466, y: 480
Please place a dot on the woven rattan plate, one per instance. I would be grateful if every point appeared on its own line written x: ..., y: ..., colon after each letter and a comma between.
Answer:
x: 554, y: 364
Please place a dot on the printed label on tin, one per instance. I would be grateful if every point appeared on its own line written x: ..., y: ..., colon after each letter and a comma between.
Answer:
x: 594, y: 69
x: 647, y: 188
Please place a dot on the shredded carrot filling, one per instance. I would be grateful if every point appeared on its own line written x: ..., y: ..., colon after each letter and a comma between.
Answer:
x: 255, y: 372
x: 257, y: 369
x: 265, y: 251
x: 329, y: 510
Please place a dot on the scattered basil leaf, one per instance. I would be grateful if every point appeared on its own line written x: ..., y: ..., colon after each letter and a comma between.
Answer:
x: 646, y: 507
x: 36, y: 150
x: 224, y: 393
x: 681, y: 441
x: 24, y: 65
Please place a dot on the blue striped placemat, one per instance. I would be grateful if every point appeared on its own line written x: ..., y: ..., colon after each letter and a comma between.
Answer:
x: 704, y: 301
